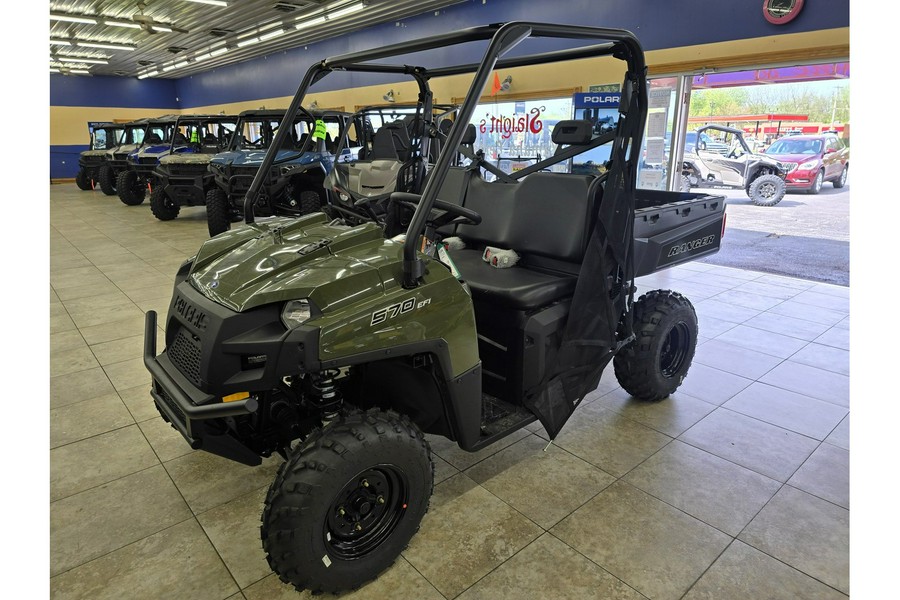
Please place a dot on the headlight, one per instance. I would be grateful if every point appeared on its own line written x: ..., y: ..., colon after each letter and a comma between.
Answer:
x: 344, y: 196
x: 808, y: 165
x: 296, y: 313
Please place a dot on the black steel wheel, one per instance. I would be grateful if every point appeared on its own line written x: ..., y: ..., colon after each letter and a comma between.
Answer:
x: 107, y: 180
x: 657, y: 361
x: 163, y: 207
x: 347, y: 501
x: 767, y: 190
x: 131, y: 189
x: 83, y: 180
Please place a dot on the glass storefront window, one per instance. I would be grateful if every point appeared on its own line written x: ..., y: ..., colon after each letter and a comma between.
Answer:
x: 653, y: 170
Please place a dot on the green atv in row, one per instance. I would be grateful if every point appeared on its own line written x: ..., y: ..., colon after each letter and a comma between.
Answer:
x: 338, y: 344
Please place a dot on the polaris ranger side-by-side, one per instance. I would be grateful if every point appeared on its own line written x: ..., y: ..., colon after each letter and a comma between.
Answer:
x: 159, y: 138
x: 182, y: 177
x: 104, y: 136
x: 293, y: 184
x: 338, y: 345
x: 733, y: 166
x: 116, y: 159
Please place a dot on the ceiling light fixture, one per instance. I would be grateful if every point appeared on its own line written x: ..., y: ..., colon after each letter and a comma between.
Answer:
x: 311, y: 23
x: 162, y: 28
x: 169, y: 68
x: 146, y: 75
x: 218, y: 52
x: 272, y: 35
x: 183, y: 63
x: 52, y: 70
x: 72, y: 19
x: 213, y: 2
x: 60, y: 43
x: 78, y: 59
x: 80, y: 71
x: 349, y: 10
x: 122, y: 24
x: 200, y: 57
x: 248, y: 42
x: 105, y: 45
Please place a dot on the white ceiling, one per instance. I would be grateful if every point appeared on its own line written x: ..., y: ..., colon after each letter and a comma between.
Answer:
x: 199, y: 28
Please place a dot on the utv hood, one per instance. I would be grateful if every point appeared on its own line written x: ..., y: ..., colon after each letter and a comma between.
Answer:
x: 186, y: 158
x: 290, y: 259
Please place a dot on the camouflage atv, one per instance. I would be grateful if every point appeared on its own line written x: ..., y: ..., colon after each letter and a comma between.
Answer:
x: 133, y: 181
x: 104, y: 136
x: 338, y: 346
x: 182, y: 178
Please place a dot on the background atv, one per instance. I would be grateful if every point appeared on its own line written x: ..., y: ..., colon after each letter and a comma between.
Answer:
x: 388, y: 150
x: 736, y: 168
x: 182, y: 177
x: 104, y: 136
x: 159, y: 138
x: 293, y: 186
x: 338, y: 347
x: 116, y: 159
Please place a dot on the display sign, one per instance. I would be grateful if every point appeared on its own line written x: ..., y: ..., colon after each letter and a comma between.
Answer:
x: 596, y: 100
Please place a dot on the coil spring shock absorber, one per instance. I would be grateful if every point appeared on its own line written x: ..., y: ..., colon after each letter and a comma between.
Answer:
x: 325, y: 396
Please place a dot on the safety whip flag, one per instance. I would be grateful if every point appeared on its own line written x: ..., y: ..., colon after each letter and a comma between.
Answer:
x: 496, y: 87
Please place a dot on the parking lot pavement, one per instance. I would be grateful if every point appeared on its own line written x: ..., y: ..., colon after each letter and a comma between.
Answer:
x: 806, y: 236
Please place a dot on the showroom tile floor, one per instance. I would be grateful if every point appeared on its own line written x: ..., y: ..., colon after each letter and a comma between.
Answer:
x: 735, y: 487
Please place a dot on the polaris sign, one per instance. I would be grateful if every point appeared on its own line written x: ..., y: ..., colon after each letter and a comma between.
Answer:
x: 596, y: 100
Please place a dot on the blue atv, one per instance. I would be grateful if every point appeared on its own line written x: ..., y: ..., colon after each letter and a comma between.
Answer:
x: 132, y: 182
x: 293, y: 186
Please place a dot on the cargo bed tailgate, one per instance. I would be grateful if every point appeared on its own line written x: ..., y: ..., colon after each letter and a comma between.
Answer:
x: 675, y: 227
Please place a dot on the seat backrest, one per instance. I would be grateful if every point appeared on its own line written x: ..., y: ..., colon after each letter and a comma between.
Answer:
x: 547, y: 214
x: 383, y: 146
x: 153, y: 138
x: 180, y: 139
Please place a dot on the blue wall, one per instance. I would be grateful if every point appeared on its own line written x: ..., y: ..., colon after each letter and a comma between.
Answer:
x: 657, y: 23
x: 118, y: 92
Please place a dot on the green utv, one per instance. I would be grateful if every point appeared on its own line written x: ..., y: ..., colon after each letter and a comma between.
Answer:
x: 339, y: 346
x: 104, y: 137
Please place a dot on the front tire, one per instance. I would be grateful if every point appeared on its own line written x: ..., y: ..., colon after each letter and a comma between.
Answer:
x: 162, y: 207
x: 310, y: 202
x: 107, y: 180
x: 131, y: 189
x: 657, y: 361
x: 817, y: 183
x: 348, y: 500
x: 218, y: 213
x: 82, y: 180
x: 842, y: 180
x: 767, y: 190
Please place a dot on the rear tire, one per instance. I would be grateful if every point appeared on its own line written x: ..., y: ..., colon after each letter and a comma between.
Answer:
x: 82, y: 180
x: 347, y: 501
x: 218, y: 213
x: 842, y: 180
x: 107, y: 180
x: 162, y: 207
x: 130, y: 188
x: 310, y: 202
x: 767, y: 190
x: 657, y: 361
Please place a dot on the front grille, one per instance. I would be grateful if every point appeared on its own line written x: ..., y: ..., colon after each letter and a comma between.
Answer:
x: 92, y: 160
x: 120, y: 155
x: 151, y: 160
x: 789, y: 167
x: 187, y: 170
x: 185, y: 354
x: 172, y: 404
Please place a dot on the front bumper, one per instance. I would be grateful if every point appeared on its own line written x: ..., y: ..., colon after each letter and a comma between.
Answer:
x: 206, y: 358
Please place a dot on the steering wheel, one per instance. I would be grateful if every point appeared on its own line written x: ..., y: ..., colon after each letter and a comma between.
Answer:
x: 447, y: 212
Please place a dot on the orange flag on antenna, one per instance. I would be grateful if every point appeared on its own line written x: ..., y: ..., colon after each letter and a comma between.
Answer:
x: 496, y: 87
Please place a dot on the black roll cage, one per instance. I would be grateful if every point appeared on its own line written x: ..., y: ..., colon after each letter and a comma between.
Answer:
x: 198, y: 119
x: 619, y: 43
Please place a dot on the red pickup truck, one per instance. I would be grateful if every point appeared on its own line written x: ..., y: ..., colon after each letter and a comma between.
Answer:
x: 812, y: 160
